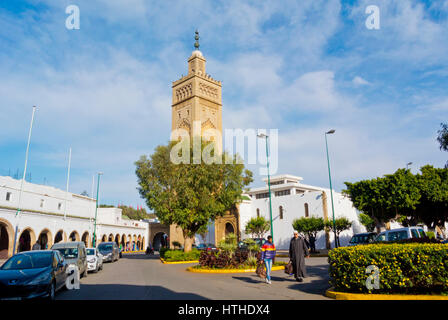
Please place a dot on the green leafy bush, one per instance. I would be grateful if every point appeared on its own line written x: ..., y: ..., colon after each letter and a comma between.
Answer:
x: 180, y: 255
x: 403, y: 268
x: 162, y: 251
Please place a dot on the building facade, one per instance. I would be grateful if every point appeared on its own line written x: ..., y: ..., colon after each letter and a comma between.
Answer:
x: 291, y: 200
x: 50, y: 215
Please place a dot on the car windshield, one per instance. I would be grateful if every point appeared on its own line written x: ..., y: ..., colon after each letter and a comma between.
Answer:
x: 68, y: 253
x: 29, y: 261
x: 90, y: 252
x: 105, y: 247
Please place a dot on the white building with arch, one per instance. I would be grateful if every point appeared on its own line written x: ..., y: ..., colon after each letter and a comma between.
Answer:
x: 291, y: 200
x: 49, y: 215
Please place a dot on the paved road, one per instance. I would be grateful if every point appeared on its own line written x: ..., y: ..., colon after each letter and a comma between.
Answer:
x: 137, y: 276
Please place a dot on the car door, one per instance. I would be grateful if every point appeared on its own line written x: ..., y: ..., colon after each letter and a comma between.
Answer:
x: 57, y: 269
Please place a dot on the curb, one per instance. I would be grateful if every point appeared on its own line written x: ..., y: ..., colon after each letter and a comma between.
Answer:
x: 191, y: 269
x: 363, y: 296
x: 125, y: 252
x: 178, y: 262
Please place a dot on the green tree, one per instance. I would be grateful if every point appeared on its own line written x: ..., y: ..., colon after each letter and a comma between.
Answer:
x: 385, y: 198
x: 190, y: 195
x: 257, y: 227
x: 308, y: 226
x: 432, y: 208
x: 341, y: 224
x: 442, y: 138
x: 367, y: 222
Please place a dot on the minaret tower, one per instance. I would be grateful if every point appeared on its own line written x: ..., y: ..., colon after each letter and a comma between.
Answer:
x: 197, y: 97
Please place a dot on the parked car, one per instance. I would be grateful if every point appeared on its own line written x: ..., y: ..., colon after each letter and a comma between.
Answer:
x: 445, y: 241
x: 94, y: 260
x: 401, y: 234
x: 206, y: 246
x: 74, y: 253
x: 110, y: 251
x: 32, y: 274
x: 362, y: 238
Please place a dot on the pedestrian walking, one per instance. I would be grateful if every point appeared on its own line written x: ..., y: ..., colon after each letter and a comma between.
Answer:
x: 297, y: 253
x: 268, y: 257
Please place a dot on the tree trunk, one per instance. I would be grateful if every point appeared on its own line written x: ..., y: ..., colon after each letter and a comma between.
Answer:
x: 188, y: 242
x: 380, y: 225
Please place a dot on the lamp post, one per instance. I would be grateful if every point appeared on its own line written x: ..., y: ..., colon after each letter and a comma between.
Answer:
x: 408, y: 164
x: 331, y: 188
x: 262, y: 135
x: 96, y: 208
x: 18, y: 213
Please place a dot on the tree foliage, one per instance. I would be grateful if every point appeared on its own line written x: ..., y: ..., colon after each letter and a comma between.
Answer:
x: 403, y: 196
x: 367, y: 222
x: 257, y: 227
x: 189, y: 195
x: 341, y: 224
x: 308, y: 226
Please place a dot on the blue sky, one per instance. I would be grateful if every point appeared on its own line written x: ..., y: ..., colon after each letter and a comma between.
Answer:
x: 303, y: 67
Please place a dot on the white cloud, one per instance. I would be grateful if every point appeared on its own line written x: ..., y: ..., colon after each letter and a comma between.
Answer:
x: 358, y: 81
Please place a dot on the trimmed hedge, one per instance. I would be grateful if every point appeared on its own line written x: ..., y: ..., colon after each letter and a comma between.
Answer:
x: 403, y: 268
x: 180, y: 255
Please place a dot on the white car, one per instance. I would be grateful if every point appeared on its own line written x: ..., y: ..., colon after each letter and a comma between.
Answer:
x: 94, y: 260
x: 401, y: 234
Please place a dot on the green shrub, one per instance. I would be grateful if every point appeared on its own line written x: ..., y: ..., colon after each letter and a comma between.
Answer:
x: 162, y: 251
x: 403, y: 268
x: 180, y: 255
x: 430, y: 235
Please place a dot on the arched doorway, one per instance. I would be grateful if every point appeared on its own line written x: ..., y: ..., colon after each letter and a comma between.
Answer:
x: 160, y: 241
x: 60, y: 236
x: 229, y: 228
x: 26, y: 240
x: 139, y: 242
x: 143, y: 243
x: 123, y: 242
x: 74, y: 236
x: 117, y: 240
x: 85, y: 238
x: 45, y: 239
x: 111, y: 237
x: 6, y: 239
x: 129, y: 243
x: 104, y: 238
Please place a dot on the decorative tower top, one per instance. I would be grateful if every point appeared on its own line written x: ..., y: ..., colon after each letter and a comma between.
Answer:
x: 196, y: 37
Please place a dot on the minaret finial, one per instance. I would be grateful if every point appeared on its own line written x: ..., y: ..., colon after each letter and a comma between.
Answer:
x: 196, y: 37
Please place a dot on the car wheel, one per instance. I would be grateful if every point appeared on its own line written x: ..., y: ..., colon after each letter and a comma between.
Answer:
x: 51, y: 291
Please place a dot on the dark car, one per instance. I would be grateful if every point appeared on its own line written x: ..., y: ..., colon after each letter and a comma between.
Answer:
x: 32, y: 274
x: 362, y: 238
x: 206, y: 246
x: 109, y: 250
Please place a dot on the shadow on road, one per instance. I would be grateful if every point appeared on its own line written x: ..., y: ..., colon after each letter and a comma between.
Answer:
x: 140, y: 256
x: 125, y: 292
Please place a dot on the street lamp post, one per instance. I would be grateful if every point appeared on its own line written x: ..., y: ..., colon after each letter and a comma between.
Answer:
x: 96, y: 208
x: 262, y: 135
x: 331, y: 188
x: 408, y: 164
x: 19, y: 209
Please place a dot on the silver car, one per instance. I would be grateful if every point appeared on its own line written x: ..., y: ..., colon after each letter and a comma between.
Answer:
x: 74, y: 253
